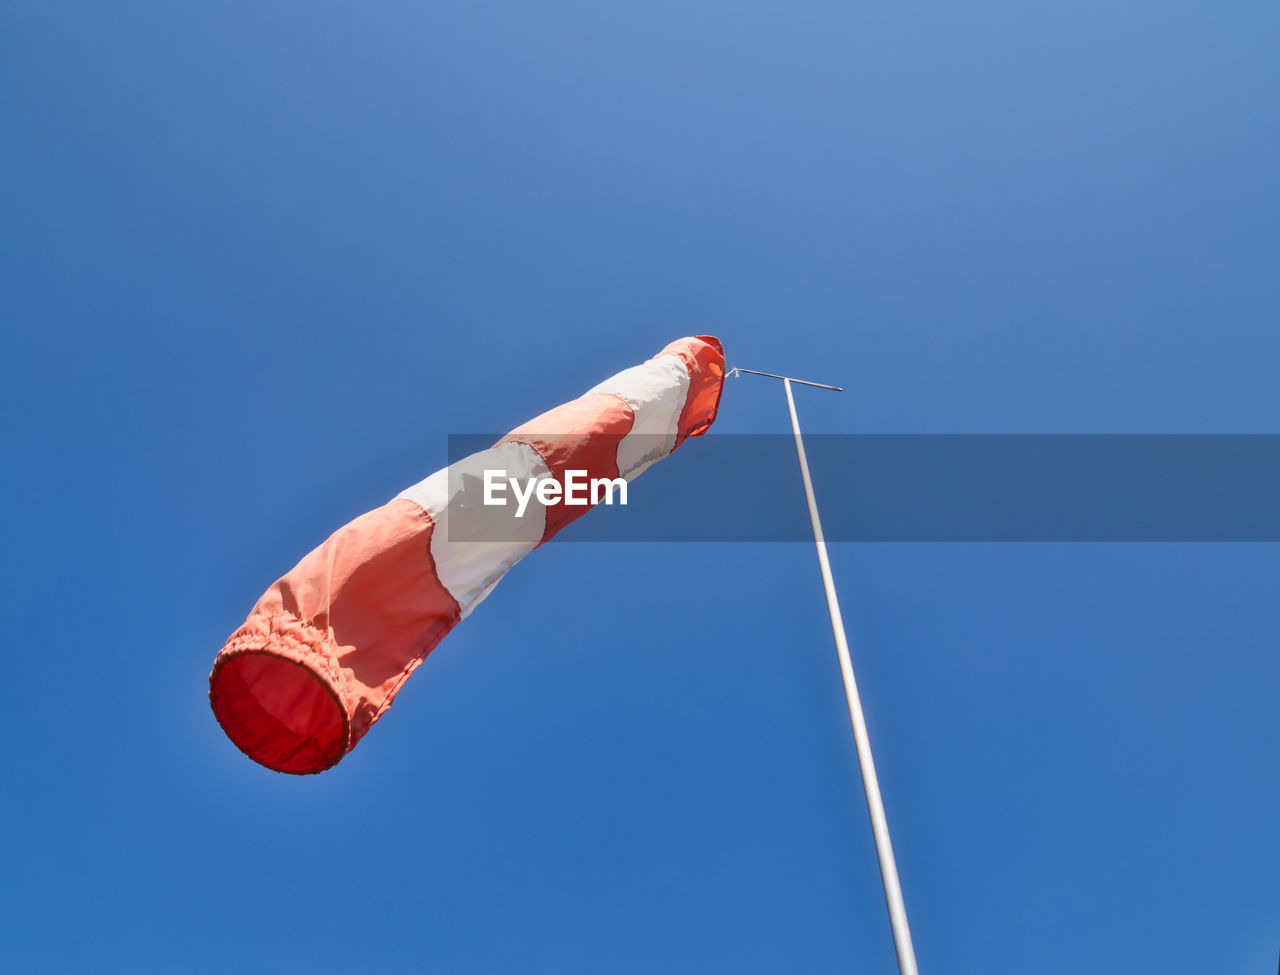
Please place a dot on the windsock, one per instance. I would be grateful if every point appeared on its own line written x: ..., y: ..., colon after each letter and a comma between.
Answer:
x: 326, y: 648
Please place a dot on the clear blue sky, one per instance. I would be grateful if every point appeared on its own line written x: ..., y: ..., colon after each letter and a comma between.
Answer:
x: 259, y: 260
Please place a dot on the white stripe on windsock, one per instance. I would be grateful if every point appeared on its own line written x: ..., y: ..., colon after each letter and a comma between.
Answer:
x: 655, y: 391
x: 487, y: 540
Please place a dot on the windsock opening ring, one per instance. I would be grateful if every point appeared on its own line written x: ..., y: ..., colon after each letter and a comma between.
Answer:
x: 279, y: 712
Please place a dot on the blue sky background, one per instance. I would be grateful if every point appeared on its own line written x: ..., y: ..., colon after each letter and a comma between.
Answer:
x: 259, y: 260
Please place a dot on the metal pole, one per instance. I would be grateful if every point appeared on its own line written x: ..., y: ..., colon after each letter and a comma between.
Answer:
x: 870, y: 784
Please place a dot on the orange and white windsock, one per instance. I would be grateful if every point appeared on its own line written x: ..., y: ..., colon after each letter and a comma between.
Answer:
x: 324, y: 651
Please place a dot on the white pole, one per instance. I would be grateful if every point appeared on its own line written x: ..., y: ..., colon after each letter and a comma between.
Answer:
x: 870, y: 784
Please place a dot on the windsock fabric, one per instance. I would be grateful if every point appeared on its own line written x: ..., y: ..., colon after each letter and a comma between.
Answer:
x: 326, y: 648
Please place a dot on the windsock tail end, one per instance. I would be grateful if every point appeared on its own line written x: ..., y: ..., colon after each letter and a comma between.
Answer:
x: 279, y: 712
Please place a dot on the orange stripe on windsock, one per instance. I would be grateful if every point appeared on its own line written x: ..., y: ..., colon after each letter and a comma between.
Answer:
x: 325, y: 649
x: 703, y: 357
x: 579, y: 436
x: 323, y: 653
